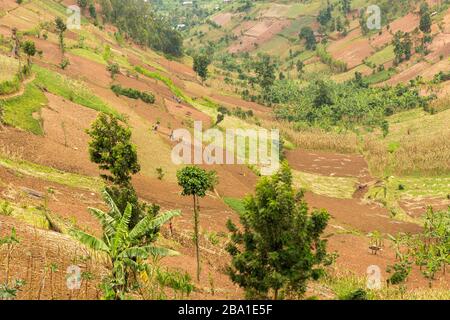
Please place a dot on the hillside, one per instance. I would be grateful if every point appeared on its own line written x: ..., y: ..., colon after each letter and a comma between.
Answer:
x: 375, y: 157
x: 273, y: 27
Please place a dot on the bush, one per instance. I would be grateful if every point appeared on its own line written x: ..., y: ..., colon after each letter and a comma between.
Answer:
x: 133, y: 93
x: 6, y: 209
x: 10, y: 86
x: 359, y: 294
x: 327, y: 58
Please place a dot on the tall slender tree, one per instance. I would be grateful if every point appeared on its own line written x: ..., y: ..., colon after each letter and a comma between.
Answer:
x: 61, y: 28
x: 196, y: 182
x: 425, y: 18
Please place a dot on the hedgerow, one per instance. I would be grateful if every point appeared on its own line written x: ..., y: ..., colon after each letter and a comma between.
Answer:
x: 133, y: 93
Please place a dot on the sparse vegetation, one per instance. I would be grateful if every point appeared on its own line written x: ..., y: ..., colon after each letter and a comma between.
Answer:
x: 368, y: 107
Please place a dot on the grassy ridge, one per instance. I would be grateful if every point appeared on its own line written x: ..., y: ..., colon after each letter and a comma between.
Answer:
x: 51, y: 174
x: 72, y: 90
x: 10, y: 86
x: 9, y: 81
x: 21, y: 111
x: 235, y: 204
x: 334, y: 187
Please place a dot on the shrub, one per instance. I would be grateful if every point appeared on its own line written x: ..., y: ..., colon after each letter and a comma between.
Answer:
x: 133, y: 93
x: 359, y: 294
x: 6, y: 209
x: 10, y: 86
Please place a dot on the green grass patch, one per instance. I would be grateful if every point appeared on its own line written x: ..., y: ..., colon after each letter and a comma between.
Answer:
x: 21, y: 111
x: 72, y: 90
x: 335, y: 187
x: 8, y: 68
x: 393, y: 146
x: 345, y: 284
x: 10, y: 86
x: 177, y: 91
x: 235, y: 204
x: 304, y: 9
x: 9, y: 80
x: 379, y: 76
x: 167, y: 81
x: 56, y: 8
x: 416, y: 187
x: 349, y: 75
x: 383, y: 56
x: 396, y: 189
x: 417, y: 123
x: 88, y: 54
x: 31, y: 216
x: 52, y: 174
x: 294, y: 29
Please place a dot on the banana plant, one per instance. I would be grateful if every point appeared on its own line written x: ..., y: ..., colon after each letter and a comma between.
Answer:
x: 125, y: 249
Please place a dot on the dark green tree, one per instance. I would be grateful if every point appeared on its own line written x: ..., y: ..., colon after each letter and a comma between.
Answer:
x: 30, y: 50
x: 398, y: 46
x: 308, y: 35
x: 359, y: 81
x: 402, y: 46
x: 82, y: 3
x: 425, y: 18
x: 201, y: 63
x: 346, y: 6
x: 322, y: 94
x: 300, y: 65
x: 280, y: 248
x: 407, y: 46
x: 325, y: 15
x: 92, y: 11
x: 265, y: 70
x: 61, y: 28
x: 113, y: 69
x: 363, y: 21
x: 112, y: 150
x: 196, y: 182
x: 138, y: 20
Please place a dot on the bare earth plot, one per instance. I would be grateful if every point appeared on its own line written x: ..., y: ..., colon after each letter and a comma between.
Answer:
x: 257, y: 34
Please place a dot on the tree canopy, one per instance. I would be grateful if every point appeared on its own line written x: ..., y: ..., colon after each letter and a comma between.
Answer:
x: 280, y: 247
x: 112, y: 149
x: 138, y: 20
